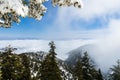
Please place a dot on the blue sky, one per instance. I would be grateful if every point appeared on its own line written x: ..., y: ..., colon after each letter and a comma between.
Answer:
x: 67, y: 23
x: 29, y: 27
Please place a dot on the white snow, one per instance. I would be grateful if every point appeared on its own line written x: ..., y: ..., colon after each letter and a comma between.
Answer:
x: 15, y: 5
x: 67, y: 75
x: 34, y: 9
x: 68, y: 3
x: 1, y: 21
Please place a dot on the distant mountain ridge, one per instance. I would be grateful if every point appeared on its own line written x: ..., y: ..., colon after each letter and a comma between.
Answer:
x: 74, y: 55
x: 67, y: 72
x: 4, y: 38
x: 77, y: 53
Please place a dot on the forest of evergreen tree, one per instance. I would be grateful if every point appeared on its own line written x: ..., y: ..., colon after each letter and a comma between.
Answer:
x: 15, y: 66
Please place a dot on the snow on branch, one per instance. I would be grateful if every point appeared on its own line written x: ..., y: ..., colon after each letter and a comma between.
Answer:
x: 12, y: 10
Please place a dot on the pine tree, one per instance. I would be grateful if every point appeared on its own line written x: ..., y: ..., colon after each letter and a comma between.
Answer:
x: 11, y: 66
x: 99, y: 75
x: 78, y: 71
x: 49, y: 67
x: 86, y: 67
x: 89, y: 71
x: 115, y: 72
x: 0, y: 65
x: 26, y: 63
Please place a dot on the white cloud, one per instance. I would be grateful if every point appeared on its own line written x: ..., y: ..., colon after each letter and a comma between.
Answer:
x: 91, y: 9
x: 67, y: 23
x: 98, y: 8
x: 70, y: 35
x: 109, y: 45
x: 25, y: 45
x: 42, y: 45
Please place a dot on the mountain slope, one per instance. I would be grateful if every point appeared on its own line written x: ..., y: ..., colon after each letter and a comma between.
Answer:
x: 75, y: 54
x: 35, y: 62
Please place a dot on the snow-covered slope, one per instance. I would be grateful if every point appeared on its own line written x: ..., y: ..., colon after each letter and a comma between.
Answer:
x: 78, y: 52
x: 101, y: 53
x: 35, y: 63
x: 95, y: 53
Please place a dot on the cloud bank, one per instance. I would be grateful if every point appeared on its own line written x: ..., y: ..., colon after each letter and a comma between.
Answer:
x: 62, y: 47
x: 109, y: 45
x: 88, y: 22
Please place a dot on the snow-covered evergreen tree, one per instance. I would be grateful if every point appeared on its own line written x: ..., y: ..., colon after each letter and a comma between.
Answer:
x: 26, y: 64
x: 11, y: 65
x: 115, y: 72
x: 99, y: 75
x: 88, y: 69
x: 78, y: 71
x: 12, y: 10
x: 49, y: 68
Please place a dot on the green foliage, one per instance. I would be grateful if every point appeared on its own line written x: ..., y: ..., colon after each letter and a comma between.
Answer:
x: 49, y: 67
x: 87, y: 67
x: 11, y: 66
x: 99, y: 75
x: 78, y: 71
x: 85, y: 70
x: 26, y: 64
x: 115, y: 72
x: 26, y: 67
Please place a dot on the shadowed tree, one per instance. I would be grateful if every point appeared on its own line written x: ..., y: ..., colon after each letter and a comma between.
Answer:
x: 11, y: 66
x: 89, y: 71
x: 99, y: 75
x: 26, y: 64
x: 49, y: 67
x: 78, y: 71
x: 115, y: 72
x: 86, y: 67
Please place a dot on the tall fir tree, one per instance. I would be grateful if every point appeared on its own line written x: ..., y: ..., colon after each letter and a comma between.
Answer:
x: 78, y: 71
x: 99, y: 75
x: 86, y: 67
x: 115, y: 72
x: 11, y: 66
x: 89, y: 70
x: 0, y: 65
x: 49, y: 67
x: 26, y: 63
